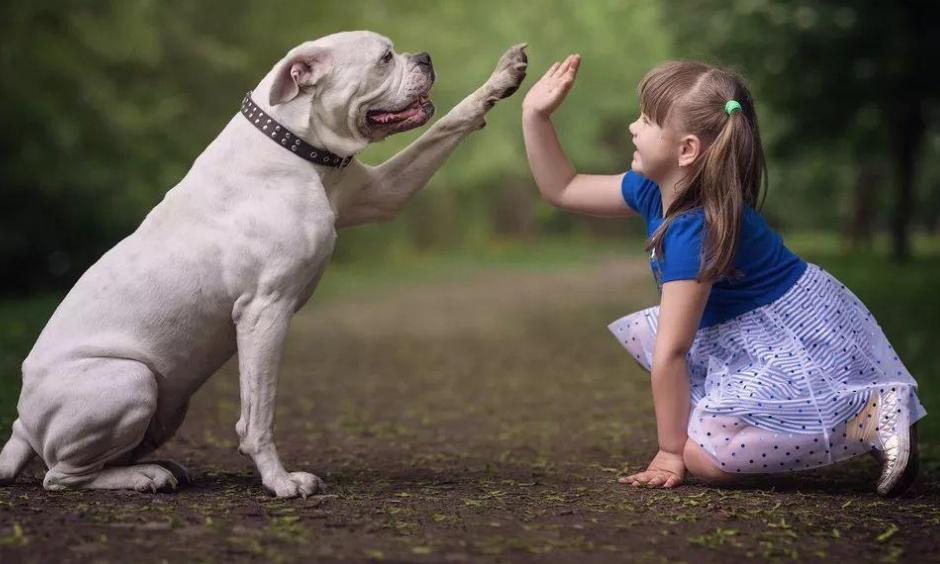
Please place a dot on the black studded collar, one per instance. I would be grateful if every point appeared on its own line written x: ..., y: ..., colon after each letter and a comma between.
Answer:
x: 280, y: 135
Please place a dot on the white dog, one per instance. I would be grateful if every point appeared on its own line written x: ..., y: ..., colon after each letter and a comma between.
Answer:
x: 224, y: 261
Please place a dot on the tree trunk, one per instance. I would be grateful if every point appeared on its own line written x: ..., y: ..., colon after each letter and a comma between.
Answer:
x: 909, y: 138
x: 907, y: 116
x: 932, y: 211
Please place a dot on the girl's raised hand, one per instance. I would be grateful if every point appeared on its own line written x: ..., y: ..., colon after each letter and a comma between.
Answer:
x: 548, y: 93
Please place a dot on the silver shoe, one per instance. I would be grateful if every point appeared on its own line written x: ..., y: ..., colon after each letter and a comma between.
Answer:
x: 898, y: 441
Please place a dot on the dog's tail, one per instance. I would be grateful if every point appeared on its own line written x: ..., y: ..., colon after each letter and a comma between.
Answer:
x: 15, y: 455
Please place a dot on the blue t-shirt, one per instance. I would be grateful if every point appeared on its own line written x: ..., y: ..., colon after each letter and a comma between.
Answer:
x: 768, y: 268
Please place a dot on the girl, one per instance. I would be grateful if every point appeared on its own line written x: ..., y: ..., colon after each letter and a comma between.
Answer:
x: 760, y: 362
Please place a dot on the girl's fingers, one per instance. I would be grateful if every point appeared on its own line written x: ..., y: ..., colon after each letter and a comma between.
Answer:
x: 573, y: 67
x: 632, y: 480
x: 657, y: 481
x: 573, y: 61
x: 652, y: 478
x: 563, y: 68
x: 627, y: 479
x: 566, y: 83
x: 567, y: 78
x: 551, y: 70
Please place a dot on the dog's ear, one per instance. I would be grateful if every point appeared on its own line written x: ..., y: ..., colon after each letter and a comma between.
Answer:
x: 304, y: 68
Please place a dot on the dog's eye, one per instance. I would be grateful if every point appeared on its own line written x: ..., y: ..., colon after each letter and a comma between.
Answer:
x: 387, y: 58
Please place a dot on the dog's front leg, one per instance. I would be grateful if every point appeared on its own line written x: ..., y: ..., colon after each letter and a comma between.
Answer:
x: 261, y: 331
x: 383, y: 190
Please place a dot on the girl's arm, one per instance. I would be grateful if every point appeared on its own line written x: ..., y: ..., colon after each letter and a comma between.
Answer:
x: 558, y: 181
x: 680, y: 312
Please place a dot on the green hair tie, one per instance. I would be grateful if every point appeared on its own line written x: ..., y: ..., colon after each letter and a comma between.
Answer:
x: 732, y: 105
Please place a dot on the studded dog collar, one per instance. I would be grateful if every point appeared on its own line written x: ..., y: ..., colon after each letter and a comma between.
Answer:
x: 280, y: 135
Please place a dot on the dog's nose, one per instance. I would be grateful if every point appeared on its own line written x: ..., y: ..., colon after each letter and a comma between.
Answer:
x: 423, y: 59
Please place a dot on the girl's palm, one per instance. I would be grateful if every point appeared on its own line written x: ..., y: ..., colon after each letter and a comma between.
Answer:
x: 548, y: 93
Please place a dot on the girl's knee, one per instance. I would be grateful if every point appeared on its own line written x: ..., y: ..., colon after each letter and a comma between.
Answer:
x: 701, y: 465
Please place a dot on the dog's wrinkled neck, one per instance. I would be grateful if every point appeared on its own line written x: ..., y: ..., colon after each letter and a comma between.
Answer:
x: 247, y: 161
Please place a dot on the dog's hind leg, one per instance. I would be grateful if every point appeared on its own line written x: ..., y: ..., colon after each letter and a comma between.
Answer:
x: 162, y: 427
x: 15, y: 455
x: 139, y: 477
x: 91, y: 426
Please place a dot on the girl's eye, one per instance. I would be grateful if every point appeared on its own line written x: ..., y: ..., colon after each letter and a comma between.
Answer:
x: 387, y: 58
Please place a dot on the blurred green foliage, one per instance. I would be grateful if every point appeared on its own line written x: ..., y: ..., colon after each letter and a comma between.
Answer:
x: 851, y: 78
x: 106, y: 103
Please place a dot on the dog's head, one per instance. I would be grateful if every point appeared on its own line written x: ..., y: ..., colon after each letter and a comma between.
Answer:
x: 350, y: 89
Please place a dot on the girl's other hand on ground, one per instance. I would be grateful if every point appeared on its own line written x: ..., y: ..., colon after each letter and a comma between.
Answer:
x: 665, y: 470
x: 548, y: 93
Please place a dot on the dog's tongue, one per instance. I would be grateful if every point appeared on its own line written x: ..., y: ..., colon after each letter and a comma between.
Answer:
x: 388, y: 117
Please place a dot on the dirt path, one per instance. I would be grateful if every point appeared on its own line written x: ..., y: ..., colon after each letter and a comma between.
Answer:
x: 485, y: 420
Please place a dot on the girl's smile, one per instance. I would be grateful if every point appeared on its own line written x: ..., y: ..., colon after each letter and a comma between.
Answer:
x: 656, y: 154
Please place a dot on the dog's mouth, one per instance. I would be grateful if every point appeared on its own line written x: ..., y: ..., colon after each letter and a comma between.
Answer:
x: 414, y: 115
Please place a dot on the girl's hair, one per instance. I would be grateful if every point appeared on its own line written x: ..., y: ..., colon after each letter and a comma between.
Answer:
x: 729, y: 173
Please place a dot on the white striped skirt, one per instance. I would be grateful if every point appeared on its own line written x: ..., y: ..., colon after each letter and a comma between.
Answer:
x: 785, y: 386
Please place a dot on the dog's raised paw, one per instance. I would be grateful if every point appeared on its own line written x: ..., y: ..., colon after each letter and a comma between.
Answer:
x: 509, y: 73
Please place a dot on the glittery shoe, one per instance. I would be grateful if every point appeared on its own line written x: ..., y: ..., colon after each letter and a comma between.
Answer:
x: 898, y: 441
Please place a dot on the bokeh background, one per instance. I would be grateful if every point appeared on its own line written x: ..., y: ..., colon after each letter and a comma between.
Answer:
x: 105, y: 104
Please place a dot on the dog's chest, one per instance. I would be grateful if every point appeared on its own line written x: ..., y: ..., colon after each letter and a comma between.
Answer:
x: 284, y: 241
x: 306, y: 241
x: 317, y: 248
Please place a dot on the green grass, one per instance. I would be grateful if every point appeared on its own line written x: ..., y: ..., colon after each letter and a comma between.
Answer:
x: 368, y: 276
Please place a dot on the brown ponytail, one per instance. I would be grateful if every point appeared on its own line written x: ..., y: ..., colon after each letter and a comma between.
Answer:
x: 730, y: 172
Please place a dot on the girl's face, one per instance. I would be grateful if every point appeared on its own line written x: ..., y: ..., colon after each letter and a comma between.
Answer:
x: 657, y: 155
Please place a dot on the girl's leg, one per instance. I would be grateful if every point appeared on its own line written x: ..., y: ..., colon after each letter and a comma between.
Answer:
x: 637, y: 333
x: 742, y: 448
x: 700, y: 464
